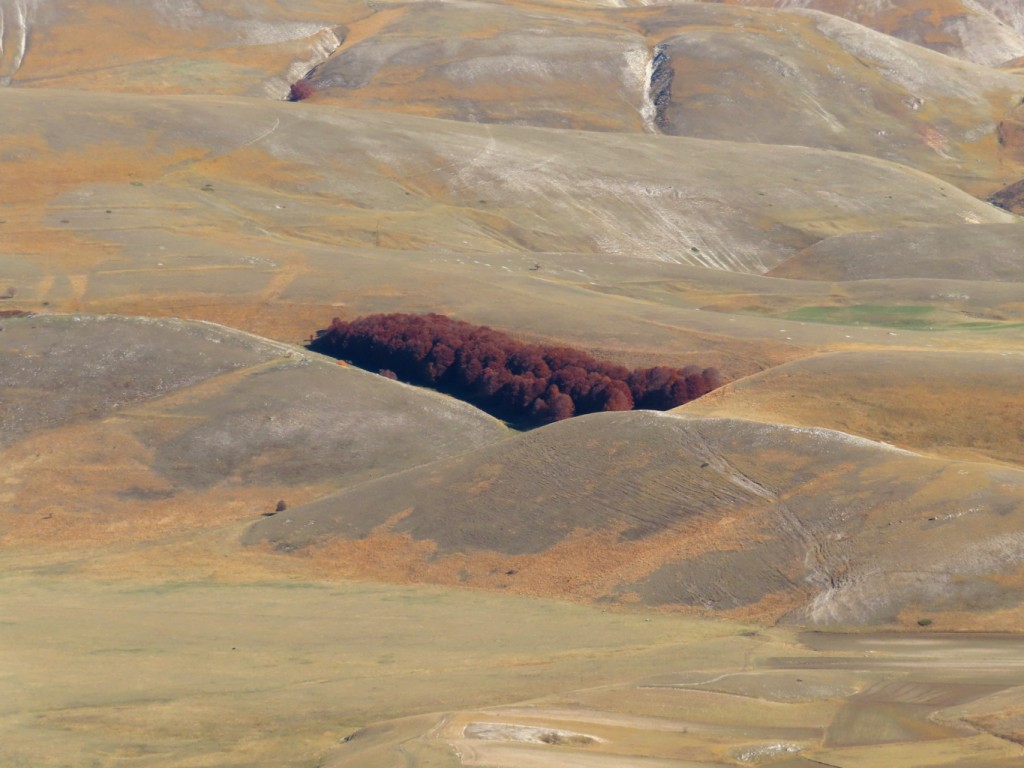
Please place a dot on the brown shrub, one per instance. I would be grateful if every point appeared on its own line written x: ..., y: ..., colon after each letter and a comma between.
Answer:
x: 301, y: 90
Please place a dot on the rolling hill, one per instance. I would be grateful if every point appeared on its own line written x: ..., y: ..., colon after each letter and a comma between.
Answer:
x: 127, y: 429
x: 988, y: 32
x: 219, y: 548
x: 749, y: 519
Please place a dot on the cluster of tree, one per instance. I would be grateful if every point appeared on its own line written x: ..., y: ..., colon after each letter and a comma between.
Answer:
x: 525, y: 383
x: 301, y: 90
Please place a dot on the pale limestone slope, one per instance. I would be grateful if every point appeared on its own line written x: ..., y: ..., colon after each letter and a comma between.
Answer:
x: 987, y: 32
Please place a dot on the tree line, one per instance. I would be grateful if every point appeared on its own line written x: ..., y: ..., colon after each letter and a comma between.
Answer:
x: 523, y: 383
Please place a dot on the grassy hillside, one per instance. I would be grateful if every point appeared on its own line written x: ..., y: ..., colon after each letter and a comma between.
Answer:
x: 987, y: 32
x: 119, y: 430
x: 955, y: 404
x: 744, y: 518
x: 220, y: 549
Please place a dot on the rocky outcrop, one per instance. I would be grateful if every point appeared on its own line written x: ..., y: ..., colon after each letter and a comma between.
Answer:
x: 660, y: 89
x: 1010, y: 133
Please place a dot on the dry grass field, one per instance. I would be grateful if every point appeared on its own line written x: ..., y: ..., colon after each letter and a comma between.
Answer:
x: 218, y: 548
x: 154, y: 667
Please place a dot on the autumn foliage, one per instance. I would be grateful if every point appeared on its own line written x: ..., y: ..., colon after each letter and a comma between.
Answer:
x: 525, y: 383
x: 301, y: 90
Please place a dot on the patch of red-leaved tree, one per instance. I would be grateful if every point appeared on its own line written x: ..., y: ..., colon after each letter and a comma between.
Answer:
x: 301, y: 90
x: 525, y: 383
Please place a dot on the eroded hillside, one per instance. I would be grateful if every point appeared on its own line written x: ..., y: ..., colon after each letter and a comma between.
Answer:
x: 203, y: 526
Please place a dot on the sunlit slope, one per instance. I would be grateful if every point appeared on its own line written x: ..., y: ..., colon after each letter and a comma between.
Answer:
x: 817, y: 80
x: 703, y: 70
x: 786, y: 76
x: 987, y: 32
x: 274, y: 217
x: 988, y: 253
x: 141, y: 197
x: 560, y: 66
x: 220, y: 549
x: 743, y: 518
x: 957, y: 404
x: 121, y: 429
x: 252, y: 47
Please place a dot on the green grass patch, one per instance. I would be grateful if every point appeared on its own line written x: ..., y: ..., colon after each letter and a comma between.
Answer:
x: 918, y: 317
x: 885, y: 315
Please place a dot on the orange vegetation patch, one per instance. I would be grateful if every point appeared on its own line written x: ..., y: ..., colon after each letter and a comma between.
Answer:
x: 39, y: 173
x: 771, y: 607
x: 66, y: 50
x: 966, y: 408
x: 39, y: 176
x: 93, y: 483
x: 371, y: 26
x: 256, y: 166
x: 587, y: 566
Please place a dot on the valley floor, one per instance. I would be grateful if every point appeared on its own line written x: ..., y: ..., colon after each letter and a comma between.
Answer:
x: 128, y: 660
